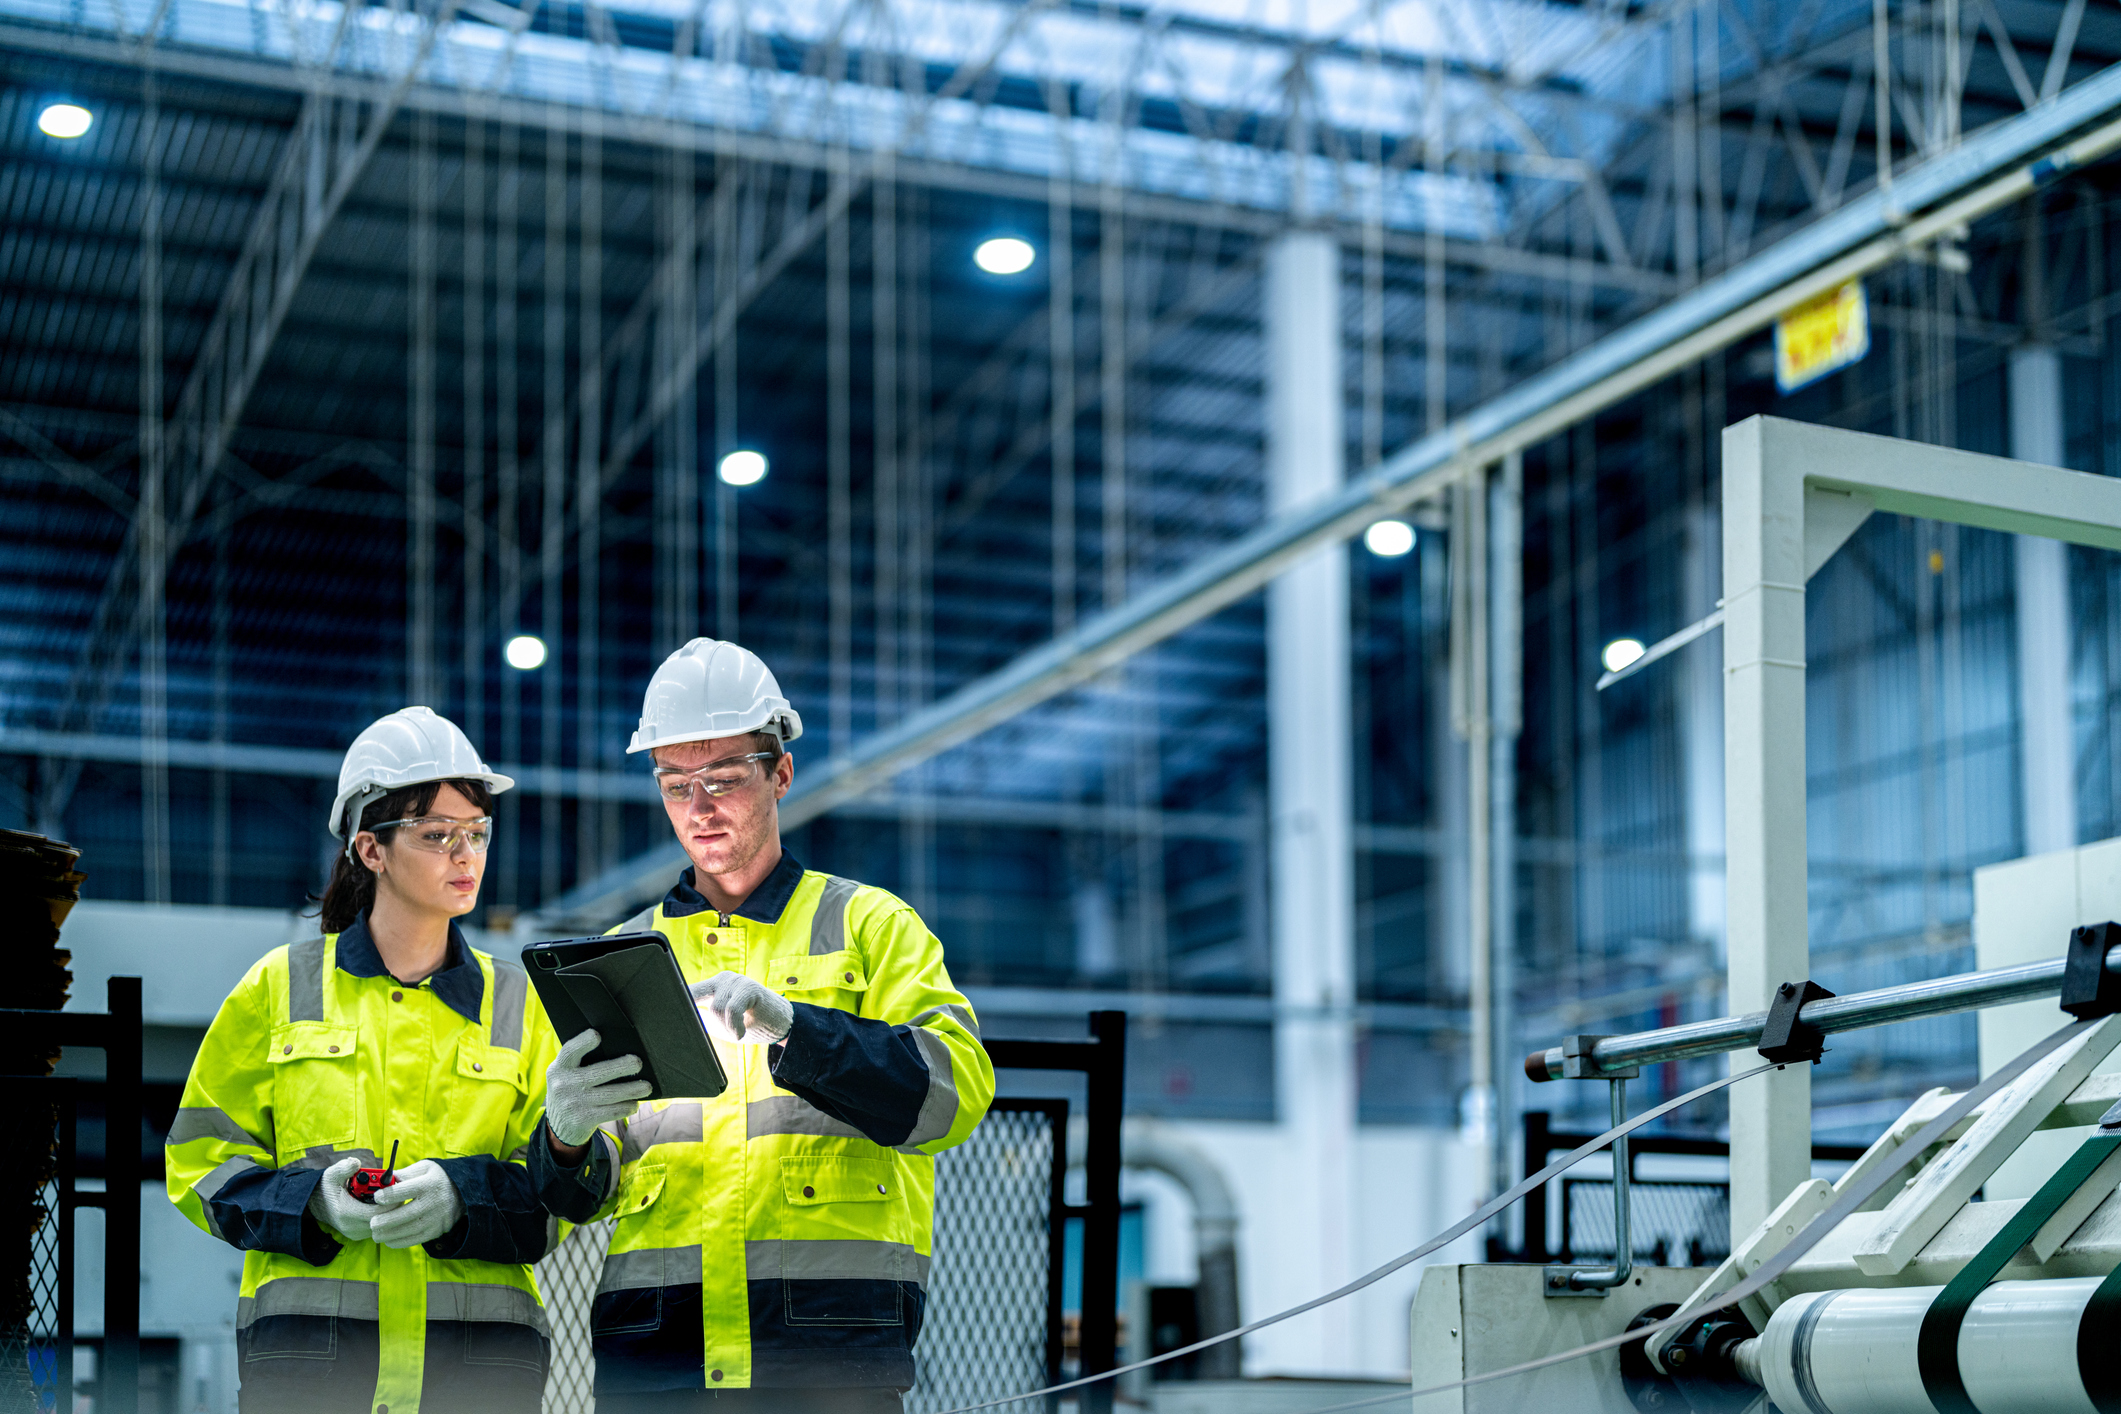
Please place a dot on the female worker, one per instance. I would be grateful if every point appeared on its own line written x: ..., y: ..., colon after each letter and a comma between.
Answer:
x: 386, y: 1033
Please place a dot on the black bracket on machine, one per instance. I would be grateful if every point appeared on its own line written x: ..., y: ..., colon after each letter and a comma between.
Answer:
x: 2088, y: 989
x: 1700, y: 1368
x: 1786, y: 1038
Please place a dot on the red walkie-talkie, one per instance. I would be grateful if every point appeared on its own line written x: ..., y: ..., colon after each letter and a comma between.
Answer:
x: 367, y: 1183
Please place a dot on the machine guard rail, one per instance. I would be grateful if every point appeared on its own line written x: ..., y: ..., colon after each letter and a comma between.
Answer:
x: 1610, y: 1056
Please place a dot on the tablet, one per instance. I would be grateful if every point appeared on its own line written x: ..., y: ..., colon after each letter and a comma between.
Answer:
x: 628, y: 987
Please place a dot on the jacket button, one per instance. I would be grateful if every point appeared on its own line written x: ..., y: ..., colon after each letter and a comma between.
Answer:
x: 397, y: 996
x: 712, y: 939
x: 795, y: 981
x: 287, y: 1050
x: 880, y: 1188
x: 331, y: 1050
x: 850, y: 977
x: 715, y: 1375
x: 476, y: 1066
x: 809, y: 1192
x: 382, y: 1409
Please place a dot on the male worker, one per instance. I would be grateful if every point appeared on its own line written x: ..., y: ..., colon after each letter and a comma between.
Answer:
x: 772, y: 1243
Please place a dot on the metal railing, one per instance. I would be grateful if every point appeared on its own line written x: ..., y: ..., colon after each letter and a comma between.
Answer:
x: 117, y: 1034
x: 1608, y: 1056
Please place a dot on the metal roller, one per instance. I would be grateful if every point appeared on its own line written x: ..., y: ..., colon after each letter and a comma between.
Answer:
x: 1854, y: 1352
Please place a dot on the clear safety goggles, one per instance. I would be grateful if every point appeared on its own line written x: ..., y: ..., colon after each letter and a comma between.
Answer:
x: 716, y: 778
x: 439, y: 834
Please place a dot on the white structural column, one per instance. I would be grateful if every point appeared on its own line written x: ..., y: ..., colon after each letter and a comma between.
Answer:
x: 1310, y: 780
x: 2047, y: 762
x: 1699, y: 682
x: 1764, y: 826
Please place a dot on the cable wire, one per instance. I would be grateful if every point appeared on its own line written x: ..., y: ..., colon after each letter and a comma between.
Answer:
x: 1931, y: 1134
x: 1470, y: 1223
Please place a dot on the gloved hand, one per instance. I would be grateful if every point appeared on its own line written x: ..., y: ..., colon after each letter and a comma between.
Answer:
x: 580, y: 1097
x: 743, y: 1009
x: 334, y: 1205
x: 420, y: 1207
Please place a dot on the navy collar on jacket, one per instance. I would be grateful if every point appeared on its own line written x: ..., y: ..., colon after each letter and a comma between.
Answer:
x: 458, y: 982
x: 765, y: 905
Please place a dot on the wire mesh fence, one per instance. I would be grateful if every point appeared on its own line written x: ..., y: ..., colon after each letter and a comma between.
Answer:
x: 32, y: 1329
x: 991, y: 1326
x: 992, y: 1316
x: 1670, y: 1223
x: 567, y: 1279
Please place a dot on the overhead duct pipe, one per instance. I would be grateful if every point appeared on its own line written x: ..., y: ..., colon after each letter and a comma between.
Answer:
x: 1145, y: 1144
x: 1991, y: 169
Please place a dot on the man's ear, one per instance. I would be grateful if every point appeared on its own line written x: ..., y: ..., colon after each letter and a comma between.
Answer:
x: 783, y: 774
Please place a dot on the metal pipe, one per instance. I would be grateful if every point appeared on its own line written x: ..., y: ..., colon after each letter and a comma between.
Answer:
x: 1987, y: 171
x: 1623, y: 1239
x: 1940, y: 996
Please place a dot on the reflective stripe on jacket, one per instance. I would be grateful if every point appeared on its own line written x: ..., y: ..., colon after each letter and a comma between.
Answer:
x: 319, y: 1053
x: 778, y: 1235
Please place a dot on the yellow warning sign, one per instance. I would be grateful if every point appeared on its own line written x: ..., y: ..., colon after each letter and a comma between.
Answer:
x: 1822, y: 335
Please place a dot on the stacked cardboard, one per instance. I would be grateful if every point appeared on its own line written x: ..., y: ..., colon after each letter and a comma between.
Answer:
x: 39, y: 886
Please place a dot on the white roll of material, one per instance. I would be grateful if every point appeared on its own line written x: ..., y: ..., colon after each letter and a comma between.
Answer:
x: 1854, y: 1352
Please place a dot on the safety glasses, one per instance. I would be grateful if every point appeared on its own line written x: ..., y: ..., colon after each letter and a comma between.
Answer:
x: 439, y: 834
x: 716, y: 778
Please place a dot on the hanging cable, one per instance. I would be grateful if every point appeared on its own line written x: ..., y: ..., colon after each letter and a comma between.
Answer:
x: 1850, y: 1201
x: 1473, y: 1222
x: 1931, y: 1135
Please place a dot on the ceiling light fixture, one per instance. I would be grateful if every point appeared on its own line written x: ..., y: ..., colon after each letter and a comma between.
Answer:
x: 525, y: 651
x: 1621, y: 653
x: 1389, y: 539
x: 743, y: 468
x: 66, y: 120
x: 1004, y: 255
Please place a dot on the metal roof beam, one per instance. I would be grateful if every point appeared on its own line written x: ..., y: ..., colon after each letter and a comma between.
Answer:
x: 330, y: 147
x: 1987, y: 171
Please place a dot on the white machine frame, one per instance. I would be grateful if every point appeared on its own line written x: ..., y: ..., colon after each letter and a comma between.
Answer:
x: 1793, y: 493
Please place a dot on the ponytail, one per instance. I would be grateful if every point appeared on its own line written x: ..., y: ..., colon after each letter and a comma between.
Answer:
x: 352, y: 889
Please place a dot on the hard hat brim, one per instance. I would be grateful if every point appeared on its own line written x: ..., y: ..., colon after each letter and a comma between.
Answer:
x: 782, y: 721
x: 493, y: 781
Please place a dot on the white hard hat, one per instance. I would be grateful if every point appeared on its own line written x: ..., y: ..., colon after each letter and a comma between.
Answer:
x: 710, y: 689
x: 407, y: 748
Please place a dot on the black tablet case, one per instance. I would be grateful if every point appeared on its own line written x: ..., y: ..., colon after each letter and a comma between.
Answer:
x: 629, y: 988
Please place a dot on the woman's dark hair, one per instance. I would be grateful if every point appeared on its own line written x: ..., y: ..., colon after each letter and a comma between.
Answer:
x: 352, y: 889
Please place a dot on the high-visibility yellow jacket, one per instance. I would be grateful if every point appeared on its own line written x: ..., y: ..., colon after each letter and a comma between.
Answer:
x: 319, y: 1053
x: 778, y: 1235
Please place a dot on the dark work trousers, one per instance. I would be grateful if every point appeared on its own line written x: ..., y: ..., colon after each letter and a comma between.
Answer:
x: 754, y: 1401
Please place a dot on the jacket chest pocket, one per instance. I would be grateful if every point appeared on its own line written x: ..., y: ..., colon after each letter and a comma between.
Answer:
x: 316, y: 1087
x: 834, y: 979
x: 483, y: 1091
x: 836, y: 1197
x: 643, y: 1186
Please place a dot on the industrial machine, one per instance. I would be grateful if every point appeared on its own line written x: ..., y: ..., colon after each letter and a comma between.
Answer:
x: 1982, y: 1278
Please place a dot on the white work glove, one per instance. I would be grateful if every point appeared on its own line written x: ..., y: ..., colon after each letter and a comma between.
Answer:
x: 743, y: 1009
x: 420, y: 1207
x: 579, y: 1098
x: 334, y: 1205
